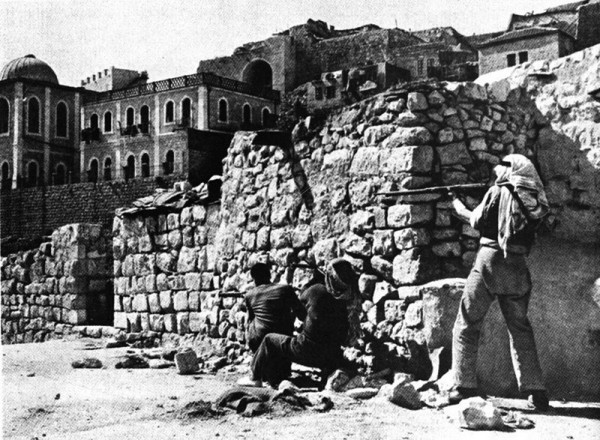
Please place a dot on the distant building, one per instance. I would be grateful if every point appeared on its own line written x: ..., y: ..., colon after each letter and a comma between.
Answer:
x: 119, y: 126
x: 304, y: 53
x: 551, y: 34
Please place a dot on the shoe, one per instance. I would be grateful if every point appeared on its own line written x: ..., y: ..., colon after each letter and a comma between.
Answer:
x: 248, y: 382
x: 458, y: 394
x: 539, y: 400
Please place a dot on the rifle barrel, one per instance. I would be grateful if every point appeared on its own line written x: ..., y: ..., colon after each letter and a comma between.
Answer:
x: 433, y: 189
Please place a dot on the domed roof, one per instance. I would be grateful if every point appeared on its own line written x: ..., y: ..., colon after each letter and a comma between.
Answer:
x: 28, y: 67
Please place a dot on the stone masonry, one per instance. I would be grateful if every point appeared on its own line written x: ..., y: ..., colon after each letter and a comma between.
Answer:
x: 45, y: 292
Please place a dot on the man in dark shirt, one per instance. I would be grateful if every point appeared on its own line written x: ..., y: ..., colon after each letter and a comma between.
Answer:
x: 325, y: 329
x: 506, y: 220
x: 272, y: 308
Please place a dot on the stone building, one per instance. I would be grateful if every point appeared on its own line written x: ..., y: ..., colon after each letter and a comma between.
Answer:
x: 303, y: 53
x: 548, y: 35
x: 118, y: 126
x: 39, y: 125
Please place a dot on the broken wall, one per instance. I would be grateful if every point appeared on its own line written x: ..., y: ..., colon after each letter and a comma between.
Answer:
x: 66, y: 282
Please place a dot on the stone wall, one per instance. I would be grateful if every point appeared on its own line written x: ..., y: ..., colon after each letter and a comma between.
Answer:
x: 66, y: 282
x: 164, y: 275
x: 34, y: 212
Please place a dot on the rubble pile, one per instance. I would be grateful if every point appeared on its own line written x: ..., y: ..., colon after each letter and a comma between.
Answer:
x: 63, y: 283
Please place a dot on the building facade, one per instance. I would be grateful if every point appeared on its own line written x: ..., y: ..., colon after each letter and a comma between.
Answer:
x: 553, y: 33
x: 51, y: 134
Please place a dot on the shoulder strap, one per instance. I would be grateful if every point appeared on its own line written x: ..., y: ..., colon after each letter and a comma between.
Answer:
x: 515, y: 195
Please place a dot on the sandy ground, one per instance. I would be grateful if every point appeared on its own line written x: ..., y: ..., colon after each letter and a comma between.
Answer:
x: 43, y: 397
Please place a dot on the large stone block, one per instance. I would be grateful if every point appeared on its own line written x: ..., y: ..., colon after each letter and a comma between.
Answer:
x: 362, y: 221
x: 356, y: 245
x: 383, y: 242
x: 140, y: 303
x: 183, y: 323
x: 365, y: 162
x: 382, y: 267
x: 280, y: 238
x: 402, y: 216
x: 453, y: 154
x: 325, y: 250
x: 187, y: 259
x: 376, y: 134
x: 144, y: 264
x: 165, y: 262
x: 408, y: 159
x: 409, y: 136
x: 416, y: 101
x: 440, y: 302
x: 411, y: 237
x: 180, y: 301
x: 414, y: 266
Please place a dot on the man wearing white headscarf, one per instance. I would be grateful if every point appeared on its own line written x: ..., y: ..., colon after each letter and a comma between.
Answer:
x: 506, y: 219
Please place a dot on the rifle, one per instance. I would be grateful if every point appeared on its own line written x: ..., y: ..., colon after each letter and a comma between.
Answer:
x: 433, y: 189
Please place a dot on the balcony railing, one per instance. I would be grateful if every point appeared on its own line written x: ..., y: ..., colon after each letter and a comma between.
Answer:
x: 206, y: 78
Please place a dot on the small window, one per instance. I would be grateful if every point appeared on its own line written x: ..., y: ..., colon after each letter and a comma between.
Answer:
x: 60, y: 175
x: 61, y: 120
x: 420, y: 68
x: 330, y: 92
x: 145, y: 165
x: 246, y: 114
x: 130, y: 117
x: 32, y: 173
x: 5, y: 175
x: 319, y: 93
x: 186, y: 112
x: 222, y: 110
x: 169, y: 112
x: 266, y: 117
x: 108, y: 168
x: 430, y: 62
x: 4, y: 116
x: 169, y: 164
x: 108, y: 122
x: 33, y: 116
x: 523, y: 57
x: 93, y: 171
x: 94, y: 122
x: 144, y: 119
x: 130, y: 168
x: 511, y: 59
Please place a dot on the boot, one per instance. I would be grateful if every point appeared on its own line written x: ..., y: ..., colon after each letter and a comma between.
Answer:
x: 539, y: 400
x: 459, y: 393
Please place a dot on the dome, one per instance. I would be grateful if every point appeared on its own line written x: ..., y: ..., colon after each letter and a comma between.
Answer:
x: 28, y: 67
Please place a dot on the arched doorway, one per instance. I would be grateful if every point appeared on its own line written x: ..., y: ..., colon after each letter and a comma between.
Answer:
x: 145, y: 165
x: 60, y: 175
x: 93, y: 171
x: 259, y: 74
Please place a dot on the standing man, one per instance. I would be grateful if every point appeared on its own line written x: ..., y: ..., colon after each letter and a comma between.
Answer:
x: 506, y: 218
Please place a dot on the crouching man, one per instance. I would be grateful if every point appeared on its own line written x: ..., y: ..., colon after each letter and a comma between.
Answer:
x: 272, y: 308
x: 325, y: 328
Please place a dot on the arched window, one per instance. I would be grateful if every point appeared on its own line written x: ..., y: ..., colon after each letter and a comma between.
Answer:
x: 222, y: 110
x: 4, y: 115
x: 33, y: 116
x: 169, y: 164
x: 145, y: 165
x: 32, y: 173
x: 169, y: 112
x: 246, y: 114
x: 60, y: 174
x: 266, y: 117
x: 186, y: 112
x: 94, y: 122
x: 93, y: 171
x: 5, y: 175
x: 130, y: 117
x: 144, y: 118
x: 130, y: 168
x: 108, y: 126
x: 108, y: 168
x: 61, y: 120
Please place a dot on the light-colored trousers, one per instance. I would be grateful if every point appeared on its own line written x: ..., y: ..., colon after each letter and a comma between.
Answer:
x: 506, y: 279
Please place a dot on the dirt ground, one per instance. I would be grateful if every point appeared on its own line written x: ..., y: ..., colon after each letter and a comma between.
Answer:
x: 43, y: 397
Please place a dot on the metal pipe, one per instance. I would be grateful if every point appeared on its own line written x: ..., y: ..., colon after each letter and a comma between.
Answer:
x: 433, y: 189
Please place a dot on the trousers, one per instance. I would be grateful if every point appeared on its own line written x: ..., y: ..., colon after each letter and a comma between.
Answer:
x: 272, y: 361
x: 508, y: 280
